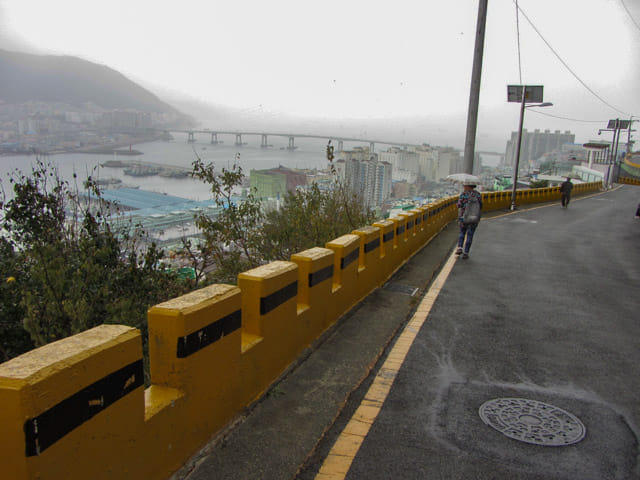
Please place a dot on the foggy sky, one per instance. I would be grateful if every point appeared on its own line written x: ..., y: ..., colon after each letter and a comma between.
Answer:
x: 356, y: 66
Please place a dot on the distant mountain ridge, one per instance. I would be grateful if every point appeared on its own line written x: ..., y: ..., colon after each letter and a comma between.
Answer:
x: 51, y: 78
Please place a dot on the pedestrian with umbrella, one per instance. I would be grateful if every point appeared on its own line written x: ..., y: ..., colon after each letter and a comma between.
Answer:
x: 469, y: 211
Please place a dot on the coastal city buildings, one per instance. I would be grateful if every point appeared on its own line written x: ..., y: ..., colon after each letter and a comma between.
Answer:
x: 427, y: 163
x: 47, y: 127
x: 535, y: 144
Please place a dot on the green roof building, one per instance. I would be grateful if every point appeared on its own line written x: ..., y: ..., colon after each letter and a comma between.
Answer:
x: 275, y: 182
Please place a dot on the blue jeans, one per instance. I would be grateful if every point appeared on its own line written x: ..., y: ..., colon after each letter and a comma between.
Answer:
x: 466, y: 230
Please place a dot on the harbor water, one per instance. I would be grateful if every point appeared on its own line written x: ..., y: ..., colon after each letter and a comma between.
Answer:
x: 309, y: 154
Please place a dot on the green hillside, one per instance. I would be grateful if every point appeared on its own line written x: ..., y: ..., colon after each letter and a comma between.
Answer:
x: 71, y: 80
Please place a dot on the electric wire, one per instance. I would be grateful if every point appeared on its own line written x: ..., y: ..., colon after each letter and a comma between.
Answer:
x: 566, y: 118
x: 573, y: 119
x: 566, y: 65
x: 630, y: 16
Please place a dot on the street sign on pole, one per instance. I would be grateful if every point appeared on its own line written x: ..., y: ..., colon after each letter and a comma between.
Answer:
x: 532, y: 93
x: 620, y: 124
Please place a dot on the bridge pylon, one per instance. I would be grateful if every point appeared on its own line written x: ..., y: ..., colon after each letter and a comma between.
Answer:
x: 214, y: 138
x: 263, y: 141
x: 291, y: 144
x: 191, y: 138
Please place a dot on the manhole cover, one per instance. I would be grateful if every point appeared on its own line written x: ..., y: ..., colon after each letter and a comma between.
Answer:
x: 531, y: 421
x: 400, y: 288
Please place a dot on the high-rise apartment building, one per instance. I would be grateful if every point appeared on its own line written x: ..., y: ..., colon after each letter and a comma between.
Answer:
x: 435, y: 163
x: 401, y: 159
x: 535, y: 144
x: 366, y: 175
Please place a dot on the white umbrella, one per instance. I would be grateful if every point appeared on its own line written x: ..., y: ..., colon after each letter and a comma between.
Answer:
x: 462, y: 178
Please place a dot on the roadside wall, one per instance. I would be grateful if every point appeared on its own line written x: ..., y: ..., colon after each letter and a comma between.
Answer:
x: 629, y: 180
x: 77, y: 408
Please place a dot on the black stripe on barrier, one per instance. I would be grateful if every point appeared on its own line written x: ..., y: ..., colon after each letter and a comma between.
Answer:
x: 409, y: 224
x: 350, y: 258
x: 278, y: 297
x: 190, y: 344
x: 400, y: 230
x: 372, y: 245
x: 320, y: 276
x: 388, y: 236
x: 50, y: 426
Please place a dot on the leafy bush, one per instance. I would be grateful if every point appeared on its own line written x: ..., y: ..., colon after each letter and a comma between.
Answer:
x: 74, y: 266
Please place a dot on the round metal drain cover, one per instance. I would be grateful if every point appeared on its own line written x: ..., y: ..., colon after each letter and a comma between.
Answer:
x: 531, y: 421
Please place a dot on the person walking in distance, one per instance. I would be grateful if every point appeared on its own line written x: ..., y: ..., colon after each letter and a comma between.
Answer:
x: 469, y: 212
x: 565, y: 192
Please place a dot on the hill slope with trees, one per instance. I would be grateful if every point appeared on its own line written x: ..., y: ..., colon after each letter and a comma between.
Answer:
x: 71, y: 80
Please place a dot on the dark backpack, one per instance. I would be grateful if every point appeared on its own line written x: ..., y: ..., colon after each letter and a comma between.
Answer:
x: 472, y: 210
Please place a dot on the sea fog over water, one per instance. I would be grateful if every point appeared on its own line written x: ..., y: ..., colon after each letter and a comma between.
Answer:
x: 310, y: 153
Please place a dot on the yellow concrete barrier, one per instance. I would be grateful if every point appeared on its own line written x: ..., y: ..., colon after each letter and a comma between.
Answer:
x: 418, y: 211
x: 370, y: 271
x: 411, y: 236
x: 345, y: 273
x: 629, y: 180
x: 429, y: 218
x: 68, y: 408
x: 389, y: 256
x: 269, y: 318
x: 400, y: 241
x: 440, y: 215
x: 195, y: 355
x: 452, y: 208
x: 315, y: 280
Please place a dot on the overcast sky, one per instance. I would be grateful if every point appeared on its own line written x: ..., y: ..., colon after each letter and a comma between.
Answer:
x: 403, y: 64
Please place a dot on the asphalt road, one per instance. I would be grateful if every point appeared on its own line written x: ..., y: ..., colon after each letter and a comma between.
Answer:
x: 546, y: 309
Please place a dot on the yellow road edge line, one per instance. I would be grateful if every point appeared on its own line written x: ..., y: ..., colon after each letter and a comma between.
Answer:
x: 346, y: 447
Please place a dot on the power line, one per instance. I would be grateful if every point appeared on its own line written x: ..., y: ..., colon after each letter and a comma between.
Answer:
x: 567, y: 66
x: 630, y: 16
x: 567, y: 118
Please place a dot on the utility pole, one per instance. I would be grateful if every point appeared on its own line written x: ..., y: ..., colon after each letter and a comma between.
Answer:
x: 614, y: 126
x: 474, y: 95
x: 523, y: 94
x: 517, y: 164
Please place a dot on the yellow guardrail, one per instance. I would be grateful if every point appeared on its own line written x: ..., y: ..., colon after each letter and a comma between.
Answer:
x: 629, y: 180
x: 77, y: 408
